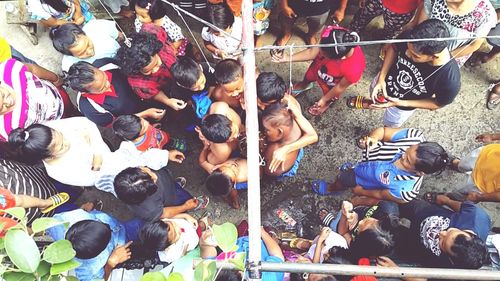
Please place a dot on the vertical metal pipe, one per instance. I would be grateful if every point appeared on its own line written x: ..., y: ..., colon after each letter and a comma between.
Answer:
x: 252, y: 132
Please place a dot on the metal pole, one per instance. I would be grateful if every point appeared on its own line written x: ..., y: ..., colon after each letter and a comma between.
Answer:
x: 388, y: 272
x: 252, y: 132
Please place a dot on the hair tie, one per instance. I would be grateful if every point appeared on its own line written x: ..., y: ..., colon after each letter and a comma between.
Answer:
x: 351, y: 37
x: 26, y: 135
x: 335, y: 40
x: 128, y: 42
x: 148, y: 6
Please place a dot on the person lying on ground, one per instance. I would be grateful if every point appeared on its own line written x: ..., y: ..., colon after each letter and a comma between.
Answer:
x: 219, y: 132
x: 333, y: 68
x: 393, y: 165
x: 271, y: 88
x: 225, y: 179
x: 96, y: 40
x: 155, y: 194
x: 104, y: 93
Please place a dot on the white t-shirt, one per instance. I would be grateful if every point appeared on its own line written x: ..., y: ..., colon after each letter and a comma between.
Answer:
x: 222, y: 42
x: 103, y: 34
x: 188, y: 240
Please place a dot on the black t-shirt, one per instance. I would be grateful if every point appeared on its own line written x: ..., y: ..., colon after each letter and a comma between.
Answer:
x: 305, y: 8
x: 184, y: 94
x: 408, y: 80
x: 151, y: 209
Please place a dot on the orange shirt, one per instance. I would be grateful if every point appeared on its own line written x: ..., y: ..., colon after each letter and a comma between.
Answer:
x: 486, y: 172
x: 153, y: 138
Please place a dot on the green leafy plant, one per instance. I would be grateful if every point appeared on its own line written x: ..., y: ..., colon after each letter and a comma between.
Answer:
x: 21, y: 259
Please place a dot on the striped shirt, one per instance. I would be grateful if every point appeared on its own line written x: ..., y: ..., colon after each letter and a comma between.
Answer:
x: 36, y: 100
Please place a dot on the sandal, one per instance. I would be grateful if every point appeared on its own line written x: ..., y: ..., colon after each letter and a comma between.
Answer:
x: 287, y: 236
x: 298, y: 243
x: 57, y: 200
x: 202, y: 202
x: 494, y: 91
x: 431, y: 197
x: 327, y: 219
x: 296, y: 92
x: 278, y: 52
x: 316, y: 110
x: 181, y: 181
x: 321, y: 187
x: 358, y: 102
x: 177, y: 144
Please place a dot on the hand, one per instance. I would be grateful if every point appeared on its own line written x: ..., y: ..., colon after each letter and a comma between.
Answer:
x: 484, y: 138
x: 78, y: 20
x: 207, y: 238
x: 380, y: 87
x: 361, y: 3
x: 176, y: 156
x: 289, y: 12
x: 390, y: 103
x: 386, y: 262
x: 120, y: 254
x: 325, y: 231
x: 369, y: 142
x: 349, y: 214
x: 155, y: 113
x: 191, y: 203
x: 280, y: 57
x: 59, y: 82
x: 97, y: 162
x: 176, y: 104
x: 279, y: 157
x: 338, y: 16
x: 473, y: 196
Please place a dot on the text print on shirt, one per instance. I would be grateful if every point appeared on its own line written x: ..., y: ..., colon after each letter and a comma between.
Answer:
x: 409, y: 79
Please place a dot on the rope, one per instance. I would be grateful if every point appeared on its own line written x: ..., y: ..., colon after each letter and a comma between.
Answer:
x: 290, y: 55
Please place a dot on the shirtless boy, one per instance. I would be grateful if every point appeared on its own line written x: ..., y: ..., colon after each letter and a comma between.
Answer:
x: 229, y: 77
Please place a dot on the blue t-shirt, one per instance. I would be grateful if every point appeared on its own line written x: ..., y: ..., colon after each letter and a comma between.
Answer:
x: 242, y: 243
x: 91, y: 269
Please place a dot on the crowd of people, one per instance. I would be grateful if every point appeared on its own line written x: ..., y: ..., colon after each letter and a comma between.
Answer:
x: 137, y: 85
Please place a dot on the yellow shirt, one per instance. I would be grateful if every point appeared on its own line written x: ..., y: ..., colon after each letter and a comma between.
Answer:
x: 486, y: 172
x: 4, y: 50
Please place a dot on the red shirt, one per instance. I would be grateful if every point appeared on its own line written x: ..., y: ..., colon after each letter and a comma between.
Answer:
x: 99, y: 98
x: 328, y: 72
x: 7, y: 200
x: 153, y: 138
x: 401, y: 6
x: 167, y: 53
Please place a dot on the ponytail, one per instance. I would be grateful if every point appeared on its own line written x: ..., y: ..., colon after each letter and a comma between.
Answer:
x: 431, y: 158
x: 32, y: 144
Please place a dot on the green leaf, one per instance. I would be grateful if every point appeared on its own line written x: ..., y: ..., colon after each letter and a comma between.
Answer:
x: 71, y: 278
x: 22, y: 250
x: 225, y: 235
x: 42, y: 224
x: 18, y: 276
x: 59, y: 268
x: 205, y: 271
x: 239, y: 261
x: 2, y: 243
x: 59, y: 252
x: 43, y: 268
x: 154, y: 276
x: 175, y: 276
x: 17, y: 212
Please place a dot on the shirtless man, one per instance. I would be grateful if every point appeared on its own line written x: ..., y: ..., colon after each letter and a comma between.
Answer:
x: 281, y: 130
x: 272, y: 89
x: 219, y: 131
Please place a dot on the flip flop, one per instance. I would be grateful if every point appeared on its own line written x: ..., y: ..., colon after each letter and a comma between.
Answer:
x: 321, y: 187
x: 328, y: 218
x: 202, y: 202
x: 298, y: 243
x: 489, y: 102
x: 181, y: 181
x: 279, y: 52
x: 57, y: 200
x: 177, y: 144
x: 297, y: 92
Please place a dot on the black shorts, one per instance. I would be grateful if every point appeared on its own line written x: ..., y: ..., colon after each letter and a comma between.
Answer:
x: 347, y: 178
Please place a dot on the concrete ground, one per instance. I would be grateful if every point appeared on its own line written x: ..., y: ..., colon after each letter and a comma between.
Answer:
x: 454, y: 126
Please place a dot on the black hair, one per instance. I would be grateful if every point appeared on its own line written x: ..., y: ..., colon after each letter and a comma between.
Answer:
x: 216, y: 128
x: 431, y: 28
x: 270, y: 87
x: 133, y: 185
x: 79, y: 75
x: 372, y: 242
x: 65, y: 36
x: 134, y: 58
x: 219, y: 184
x: 89, y: 238
x: 338, y: 36
x: 227, y: 71
x: 58, y: 5
x: 468, y: 253
x: 431, y: 158
x: 220, y: 15
x: 228, y: 275
x: 278, y: 114
x: 32, y: 143
x: 154, y: 236
x: 157, y: 9
x: 127, y: 127
x: 186, y: 72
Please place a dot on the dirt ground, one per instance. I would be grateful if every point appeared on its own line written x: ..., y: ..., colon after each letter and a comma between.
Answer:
x: 454, y: 127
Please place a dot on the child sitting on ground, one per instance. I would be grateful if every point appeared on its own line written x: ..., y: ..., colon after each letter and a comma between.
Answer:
x: 281, y: 129
x: 225, y: 179
x: 333, y: 68
x: 144, y: 135
x: 219, y: 44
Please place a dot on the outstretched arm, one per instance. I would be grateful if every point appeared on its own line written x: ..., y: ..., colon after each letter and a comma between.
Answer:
x: 382, y: 194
